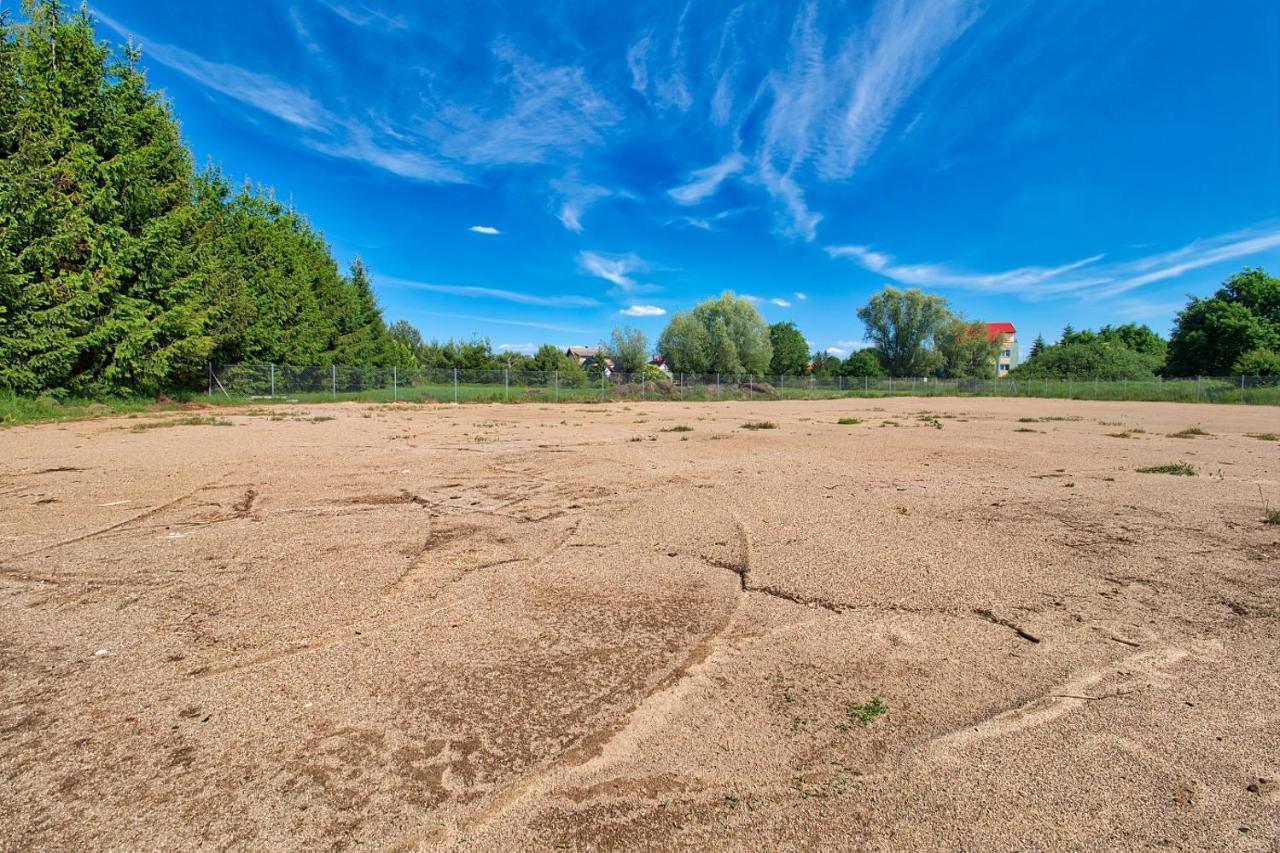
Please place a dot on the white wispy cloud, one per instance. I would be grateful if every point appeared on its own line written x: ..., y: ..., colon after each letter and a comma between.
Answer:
x: 836, y: 351
x: 801, y: 296
x: 754, y: 300
x: 853, y: 345
x: 643, y: 311
x: 325, y: 131
x: 527, y: 349
x: 617, y: 269
x: 829, y: 108
x: 707, y: 223
x: 484, y: 229
x: 573, y: 196
x: 1087, y: 276
x: 537, y: 110
x: 703, y: 183
x: 363, y: 16
x: 638, y: 64
x: 274, y: 97
x: 500, y: 321
x: 781, y: 303
x: 567, y: 301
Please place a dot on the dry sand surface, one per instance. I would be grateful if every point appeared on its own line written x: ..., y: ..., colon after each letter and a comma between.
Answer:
x: 536, y: 627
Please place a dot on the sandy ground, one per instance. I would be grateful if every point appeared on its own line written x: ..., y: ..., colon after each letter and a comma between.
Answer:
x: 535, y: 627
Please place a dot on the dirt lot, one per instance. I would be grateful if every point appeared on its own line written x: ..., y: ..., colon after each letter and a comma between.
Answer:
x: 573, y: 627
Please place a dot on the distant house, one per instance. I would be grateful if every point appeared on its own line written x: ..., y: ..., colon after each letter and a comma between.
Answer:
x: 1008, y: 336
x: 588, y: 356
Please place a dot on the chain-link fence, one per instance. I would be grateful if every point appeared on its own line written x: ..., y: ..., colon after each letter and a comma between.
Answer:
x: 334, y: 382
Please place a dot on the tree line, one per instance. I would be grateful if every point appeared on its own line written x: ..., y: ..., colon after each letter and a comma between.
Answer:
x: 123, y: 268
x: 912, y: 333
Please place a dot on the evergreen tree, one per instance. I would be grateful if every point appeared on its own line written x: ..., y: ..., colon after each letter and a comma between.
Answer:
x: 121, y: 270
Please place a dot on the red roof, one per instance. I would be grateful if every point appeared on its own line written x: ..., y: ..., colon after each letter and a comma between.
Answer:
x: 994, y: 330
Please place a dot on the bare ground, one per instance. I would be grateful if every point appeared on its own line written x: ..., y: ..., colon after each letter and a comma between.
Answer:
x: 501, y: 627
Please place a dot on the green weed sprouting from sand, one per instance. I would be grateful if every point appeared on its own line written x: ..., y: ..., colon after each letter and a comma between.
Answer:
x: 1179, y: 469
x: 759, y: 425
x: 848, y: 421
x: 866, y: 713
x: 1026, y: 429
x: 194, y: 420
x: 1269, y: 515
x: 678, y: 428
x: 1189, y: 432
x: 1264, y: 436
x: 1028, y: 420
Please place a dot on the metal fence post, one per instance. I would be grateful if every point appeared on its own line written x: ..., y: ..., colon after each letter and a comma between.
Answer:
x: 750, y: 389
x: 1241, y: 387
x: 557, y: 386
x: 273, y: 380
x: 208, y: 365
x: 455, y: 385
x: 333, y: 378
x: 395, y: 384
x: 506, y: 385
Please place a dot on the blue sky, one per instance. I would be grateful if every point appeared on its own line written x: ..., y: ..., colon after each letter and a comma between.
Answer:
x: 538, y: 172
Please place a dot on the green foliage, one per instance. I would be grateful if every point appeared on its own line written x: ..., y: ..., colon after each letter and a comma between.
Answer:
x: 1178, y: 469
x: 824, y: 364
x: 653, y: 373
x: 864, y: 362
x: 628, y: 348
x: 1099, y: 359
x: 121, y: 269
x: 1258, y: 362
x: 1037, y: 347
x: 865, y: 713
x: 966, y: 350
x: 755, y: 425
x: 1212, y: 335
x: 1129, y: 351
x: 900, y: 324
x: 724, y: 335
x: 790, y: 350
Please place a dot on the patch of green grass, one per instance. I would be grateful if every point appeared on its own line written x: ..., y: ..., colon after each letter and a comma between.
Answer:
x: 866, y: 713
x: 1265, y: 436
x: 848, y: 421
x: 16, y: 410
x: 679, y: 428
x: 889, y: 423
x: 1026, y: 429
x: 194, y: 420
x: 1272, y: 517
x: 1189, y: 432
x: 930, y: 420
x: 759, y: 425
x: 320, y: 419
x: 1179, y: 469
x: 1028, y: 420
